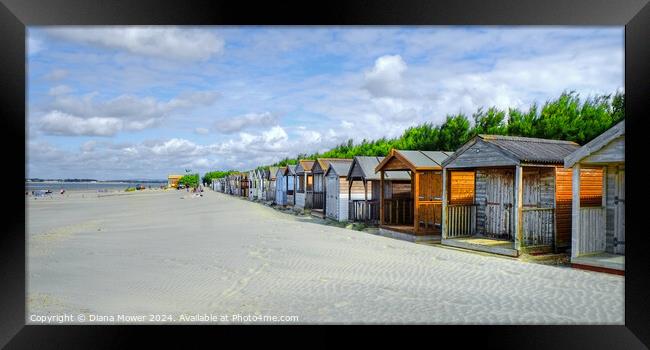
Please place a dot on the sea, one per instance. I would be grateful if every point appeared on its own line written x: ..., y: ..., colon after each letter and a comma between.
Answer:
x: 56, y: 186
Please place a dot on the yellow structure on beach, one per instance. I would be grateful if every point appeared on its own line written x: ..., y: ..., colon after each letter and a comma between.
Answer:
x: 172, y: 180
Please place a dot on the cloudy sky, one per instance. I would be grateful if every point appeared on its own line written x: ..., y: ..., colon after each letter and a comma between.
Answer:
x: 142, y: 102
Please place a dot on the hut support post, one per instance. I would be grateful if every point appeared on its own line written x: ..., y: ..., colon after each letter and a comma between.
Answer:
x: 366, y: 216
x: 351, y: 208
x: 444, y: 204
x: 575, y: 211
x: 381, y: 197
x: 517, y: 208
x: 416, y: 201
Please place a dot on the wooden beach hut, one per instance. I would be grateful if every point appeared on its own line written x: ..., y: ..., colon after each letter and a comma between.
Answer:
x: 304, y: 184
x: 598, y: 202
x: 244, y: 183
x: 414, y: 212
x: 269, y: 183
x: 508, y: 195
x: 291, y: 181
x: 172, y: 180
x: 281, y: 186
x: 363, y: 188
x: 319, y: 190
x: 337, y: 190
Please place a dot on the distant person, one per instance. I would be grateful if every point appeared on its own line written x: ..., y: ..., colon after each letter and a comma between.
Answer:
x: 62, y: 191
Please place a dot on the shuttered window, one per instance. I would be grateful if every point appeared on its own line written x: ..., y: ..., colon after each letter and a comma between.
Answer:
x: 461, y: 187
x: 591, y: 187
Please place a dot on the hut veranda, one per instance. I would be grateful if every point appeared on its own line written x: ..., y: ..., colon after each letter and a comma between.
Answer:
x: 363, y: 188
x: 598, y: 219
x: 412, y: 213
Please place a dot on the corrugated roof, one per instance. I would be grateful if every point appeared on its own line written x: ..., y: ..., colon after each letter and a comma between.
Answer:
x: 425, y: 158
x: 325, y: 162
x: 340, y: 167
x: 368, y: 165
x: 305, y: 164
x: 528, y: 149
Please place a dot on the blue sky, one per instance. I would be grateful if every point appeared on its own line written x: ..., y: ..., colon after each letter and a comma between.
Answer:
x: 142, y: 102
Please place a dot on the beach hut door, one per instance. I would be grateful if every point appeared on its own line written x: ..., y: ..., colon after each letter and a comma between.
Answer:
x: 619, y: 238
x: 331, y: 191
x: 499, y: 200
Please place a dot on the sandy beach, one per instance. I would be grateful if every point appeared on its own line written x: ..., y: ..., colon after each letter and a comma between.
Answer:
x: 157, y: 252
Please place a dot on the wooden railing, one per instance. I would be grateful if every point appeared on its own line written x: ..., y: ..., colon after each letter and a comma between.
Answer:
x: 538, y: 226
x: 592, y: 230
x: 398, y: 211
x: 362, y: 211
x: 318, y: 200
x: 461, y: 220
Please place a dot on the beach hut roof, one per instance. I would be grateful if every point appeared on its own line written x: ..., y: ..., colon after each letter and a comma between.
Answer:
x: 523, y: 149
x: 595, y: 145
x: 339, y: 167
x: 367, y: 166
x: 416, y: 160
x: 291, y: 170
x: 322, y: 164
x: 304, y: 166
x: 271, y: 171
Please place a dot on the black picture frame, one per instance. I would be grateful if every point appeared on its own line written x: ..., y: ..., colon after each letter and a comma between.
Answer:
x: 16, y: 15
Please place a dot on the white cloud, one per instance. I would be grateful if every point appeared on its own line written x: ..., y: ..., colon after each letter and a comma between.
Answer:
x: 247, y: 121
x: 125, y: 112
x: 201, y: 131
x: 386, y: 78
x: 160, y: 42
x: 59, y: 123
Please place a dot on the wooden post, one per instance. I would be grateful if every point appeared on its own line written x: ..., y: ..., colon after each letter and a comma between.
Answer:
x: 351, y: 208
x: 366, y: 208
x: 416, y: 202
x: 381, y: 198
x: 444, y: 204
x: 575, y: 211
x: 517, y: 208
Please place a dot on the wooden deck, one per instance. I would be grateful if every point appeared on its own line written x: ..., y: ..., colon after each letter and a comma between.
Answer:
x: 603, y: 262
x: 319, y: 213
x: 483, y: 244
x: 407, y: 233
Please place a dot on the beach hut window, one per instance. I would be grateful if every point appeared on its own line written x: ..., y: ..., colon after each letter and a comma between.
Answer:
x: 591, y: 187
x: 462, y: 187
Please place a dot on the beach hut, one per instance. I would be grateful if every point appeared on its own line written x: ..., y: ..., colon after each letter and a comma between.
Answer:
x: 304, y: 184
x: 253, y: 185
x: 337, y: 190
x: 598, y: 202
x: 363, y: 188
x: 281, y: 186
x: 291, y: 182
x: 508, y: 195
x: 413, y: 212
x: 244, y: 190
x: 269, y: 183
x: 319, y: 192
x: 172, y: 180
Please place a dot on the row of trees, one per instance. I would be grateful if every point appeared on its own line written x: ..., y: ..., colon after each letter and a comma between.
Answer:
x: 209, y: 176
x: 567, y: 117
